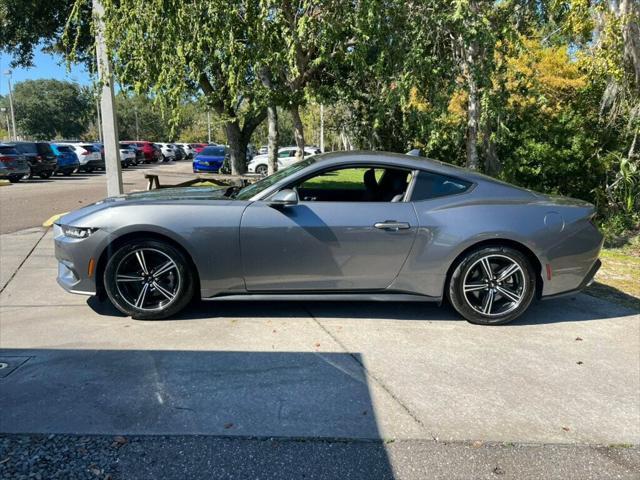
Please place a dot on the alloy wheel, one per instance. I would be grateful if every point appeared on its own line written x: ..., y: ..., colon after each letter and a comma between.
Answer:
x: 494, y: 285
x: 148, y: 279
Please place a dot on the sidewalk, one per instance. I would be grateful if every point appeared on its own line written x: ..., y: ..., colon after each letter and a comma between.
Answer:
x: 568, y: 373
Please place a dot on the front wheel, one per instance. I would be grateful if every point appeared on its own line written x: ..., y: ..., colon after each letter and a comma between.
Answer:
x: 149, y: 280
x: 492, y: 285
x: 45, y: 175
x: 262, y: 170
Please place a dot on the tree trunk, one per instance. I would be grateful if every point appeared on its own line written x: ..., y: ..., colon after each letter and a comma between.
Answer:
x: 492, y: 164
x: 237, y: 148
x: 298, y: 132
x: 473, y: 107
x: 272, y: 118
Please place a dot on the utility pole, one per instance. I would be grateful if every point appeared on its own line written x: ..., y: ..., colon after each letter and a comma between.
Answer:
x: 13, y: 115
x: 322, y: 128
x: 107, y: 104
x: 135, y: 112
x: 208, y: 126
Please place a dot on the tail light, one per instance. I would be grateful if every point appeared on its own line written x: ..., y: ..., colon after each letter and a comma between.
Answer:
x: 5, y: 159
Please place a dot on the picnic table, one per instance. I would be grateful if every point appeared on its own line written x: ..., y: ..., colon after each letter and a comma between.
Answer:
x: 153, y: 179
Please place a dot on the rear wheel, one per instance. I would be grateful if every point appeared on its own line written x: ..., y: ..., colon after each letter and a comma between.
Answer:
x: 15, y: 178
x: 262, y: 170
x: 492, y: 285
x: 45, y: 175
x: 149, y: 280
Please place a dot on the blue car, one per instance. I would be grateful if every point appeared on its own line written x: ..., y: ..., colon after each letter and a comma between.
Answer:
x: 67, y: 159
x: 210, y: 159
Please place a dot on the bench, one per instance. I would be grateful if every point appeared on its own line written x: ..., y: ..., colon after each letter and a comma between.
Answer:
x: 153, y: 179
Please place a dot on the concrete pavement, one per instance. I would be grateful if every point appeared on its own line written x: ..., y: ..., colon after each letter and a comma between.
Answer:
x: 566, y: 373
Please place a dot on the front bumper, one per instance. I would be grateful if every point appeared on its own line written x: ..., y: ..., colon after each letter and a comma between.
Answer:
x: 73, y: 257
x: 207, y: 166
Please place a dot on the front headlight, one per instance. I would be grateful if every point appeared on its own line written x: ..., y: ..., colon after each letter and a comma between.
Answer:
x: 77, y: 232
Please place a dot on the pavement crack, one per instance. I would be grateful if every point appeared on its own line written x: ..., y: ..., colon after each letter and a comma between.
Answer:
x: 24, y: 260
x: 377, y: 380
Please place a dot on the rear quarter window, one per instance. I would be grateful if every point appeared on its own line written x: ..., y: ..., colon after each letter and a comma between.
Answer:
x: 64, y: 149
x: 434, y: 185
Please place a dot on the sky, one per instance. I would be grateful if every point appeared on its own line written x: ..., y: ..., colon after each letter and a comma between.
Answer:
x: 46, y: 66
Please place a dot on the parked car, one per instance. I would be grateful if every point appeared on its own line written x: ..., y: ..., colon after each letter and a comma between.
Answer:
x: 150, y: 152
x: 286, y: 156
x: 199, y: 146
x: 13, y: 165
x: 168, y: 153
x: 42, y: 160
x: 210, y: 159
x: 127, y: 155
x: 349, y: 225
x: 179, y: 152
x: 67, y: 159
x: 188, y: 150
x: 139, y: 153
x: 88, y: 155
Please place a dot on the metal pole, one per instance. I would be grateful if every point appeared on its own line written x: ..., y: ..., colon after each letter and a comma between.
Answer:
x: 209, y: 126
x: 107, y: 107
x: 322, y: 128
x: 13, y: 115
x: 6, y: 118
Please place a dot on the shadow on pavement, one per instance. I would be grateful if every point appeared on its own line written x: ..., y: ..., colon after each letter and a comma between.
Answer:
x: 569, y: 309
x: 231, y: 394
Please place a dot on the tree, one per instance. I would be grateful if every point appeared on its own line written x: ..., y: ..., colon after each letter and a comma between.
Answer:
x: 47, y: 109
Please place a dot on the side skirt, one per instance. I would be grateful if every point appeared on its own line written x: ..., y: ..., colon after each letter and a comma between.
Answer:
x: 331, y: 297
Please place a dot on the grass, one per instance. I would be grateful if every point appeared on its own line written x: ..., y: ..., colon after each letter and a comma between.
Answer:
x: 619, y: 277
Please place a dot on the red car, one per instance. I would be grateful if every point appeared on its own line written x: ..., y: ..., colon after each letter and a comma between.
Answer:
x: 198, y: 146
x: 151, y: 153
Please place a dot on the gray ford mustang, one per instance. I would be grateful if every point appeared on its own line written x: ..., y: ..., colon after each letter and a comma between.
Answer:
x: 339, y: 226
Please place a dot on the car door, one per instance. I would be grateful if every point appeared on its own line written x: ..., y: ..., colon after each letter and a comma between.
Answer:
x: 286, y: 158
x: 325, y: 245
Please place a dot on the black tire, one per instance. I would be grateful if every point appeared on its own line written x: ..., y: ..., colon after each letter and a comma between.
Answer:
x: 15, y: 178
x: 67, y: 173
x: 476, y: 302
x: 262, y: 170
x: 45, y: 175
x: 89, y: 170
x: 181, y: 282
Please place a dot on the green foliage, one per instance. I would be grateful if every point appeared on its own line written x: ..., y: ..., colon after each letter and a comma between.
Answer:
x: 47, y: 109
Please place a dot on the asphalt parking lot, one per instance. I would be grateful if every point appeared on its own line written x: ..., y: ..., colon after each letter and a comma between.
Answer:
x: 320, y: 390
x: 28, y: 203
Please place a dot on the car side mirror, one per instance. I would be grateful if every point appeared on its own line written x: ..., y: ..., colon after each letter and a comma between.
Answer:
x: 283, y: 198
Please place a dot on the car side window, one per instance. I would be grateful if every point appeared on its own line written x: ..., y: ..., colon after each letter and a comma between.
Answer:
x: 430, y: 185
x: 356, y: 184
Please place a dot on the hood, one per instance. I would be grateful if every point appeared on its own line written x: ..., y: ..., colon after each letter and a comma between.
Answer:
x: 162, y: 195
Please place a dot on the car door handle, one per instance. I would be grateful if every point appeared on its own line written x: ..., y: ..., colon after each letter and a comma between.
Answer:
x: 392, y: 226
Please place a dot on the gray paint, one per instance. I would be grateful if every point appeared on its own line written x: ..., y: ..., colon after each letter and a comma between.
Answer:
x: 249, y: 246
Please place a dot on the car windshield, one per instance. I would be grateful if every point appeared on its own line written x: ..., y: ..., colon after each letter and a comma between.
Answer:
x: 213, y: 151
x: 250, y: 191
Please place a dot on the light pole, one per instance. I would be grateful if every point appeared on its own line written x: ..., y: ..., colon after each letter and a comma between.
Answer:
x: 98, y: 119
x: 322, y: 128
x: 13, y: 116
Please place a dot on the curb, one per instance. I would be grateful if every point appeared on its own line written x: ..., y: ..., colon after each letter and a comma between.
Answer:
x: 4, y: 183
x: 49, y: 222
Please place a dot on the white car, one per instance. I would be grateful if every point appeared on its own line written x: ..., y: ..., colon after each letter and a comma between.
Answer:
x: 286, y: 157
x: 88, y: 155
x: 168, y: 153
x: 127, y: 155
